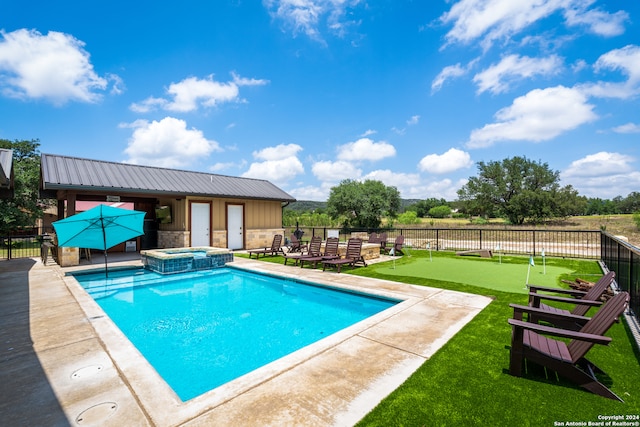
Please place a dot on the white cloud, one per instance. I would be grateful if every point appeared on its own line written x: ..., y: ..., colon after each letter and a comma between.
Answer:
x: 579, y: 65
x: 369, y: 132
x: 540, y: 115
x: 493, y: 20
x: 366, y: 149
x: 277, y: 171
x: 404, y: 182
x: 307, y: 16
x: 54, y: 67
x: 192, y: 93
x: 443, y: 189
x: 279, y: 152
x: 413, y: 120
x: 450, y: 161
x: 599, y: 165
x: 395, y: 179
x: 220, y: 166
x: 243, y: 81
x: 117, y: 87
x: 603, y: 175
x: 627, y: 62
x: 447, y: 73
x: 627, y: 128
x: 167, y: 143
x: 334, y: 172
x: 280, y: 164
x: 606, y: 187
x: 497, y: 77
x: 310, y: 192
x: 148, y: 104
x: 598, y: 21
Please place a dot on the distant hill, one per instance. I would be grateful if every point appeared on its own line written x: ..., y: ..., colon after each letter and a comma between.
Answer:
x: 408, y: 202
x: 306, y: 206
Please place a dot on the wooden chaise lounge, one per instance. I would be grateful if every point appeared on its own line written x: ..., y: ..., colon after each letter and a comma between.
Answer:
x: 275, y: 249
x: 313, y: 250
x: 352, y: 256
x: 296, y: 245
x: 330, y: 252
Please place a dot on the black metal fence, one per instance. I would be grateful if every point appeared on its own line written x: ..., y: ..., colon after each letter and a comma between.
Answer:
x: 624, y: 259
x: 618, y: 255
x: 24, y: 243
x: 557, y: 243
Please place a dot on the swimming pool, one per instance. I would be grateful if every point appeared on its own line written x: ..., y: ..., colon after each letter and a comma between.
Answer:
x: 203, y: 329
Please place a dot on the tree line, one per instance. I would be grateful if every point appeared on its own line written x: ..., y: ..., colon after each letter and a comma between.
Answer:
x: 517, y: 189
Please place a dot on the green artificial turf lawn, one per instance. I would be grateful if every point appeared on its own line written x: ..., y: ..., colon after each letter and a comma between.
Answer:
x: 467, y: 381
x: 492, y: 274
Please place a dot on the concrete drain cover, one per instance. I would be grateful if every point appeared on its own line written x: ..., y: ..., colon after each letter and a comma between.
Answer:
x: 87, y: 371
x: 97, y: 414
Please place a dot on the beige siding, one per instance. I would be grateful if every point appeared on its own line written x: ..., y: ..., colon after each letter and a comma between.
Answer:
x: 259, y: 214
x: 262, y: 219
x: 178, y: 215
x: 219, y: 213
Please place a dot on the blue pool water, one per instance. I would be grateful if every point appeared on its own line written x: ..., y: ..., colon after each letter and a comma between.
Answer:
x: 201, y: 330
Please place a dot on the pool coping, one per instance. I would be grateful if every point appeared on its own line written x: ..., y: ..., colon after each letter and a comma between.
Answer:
x: 335, y: 381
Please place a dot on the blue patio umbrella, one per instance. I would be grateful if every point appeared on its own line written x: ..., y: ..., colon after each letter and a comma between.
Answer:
x: 101, y: 227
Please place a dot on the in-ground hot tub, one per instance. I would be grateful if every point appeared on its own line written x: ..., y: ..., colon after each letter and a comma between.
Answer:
x: 179, y: 260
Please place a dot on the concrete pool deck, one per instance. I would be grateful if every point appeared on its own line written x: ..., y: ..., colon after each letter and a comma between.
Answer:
x: 64, y: 363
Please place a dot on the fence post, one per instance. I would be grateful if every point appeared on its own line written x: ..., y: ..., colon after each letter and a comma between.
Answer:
x: 9, y: 245
x: 533, y: 238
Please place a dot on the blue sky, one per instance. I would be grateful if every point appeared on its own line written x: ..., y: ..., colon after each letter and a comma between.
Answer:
x: 306, y: 93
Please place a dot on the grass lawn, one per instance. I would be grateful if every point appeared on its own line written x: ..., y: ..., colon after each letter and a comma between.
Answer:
x: 508, y: 276
x: 467, y: 382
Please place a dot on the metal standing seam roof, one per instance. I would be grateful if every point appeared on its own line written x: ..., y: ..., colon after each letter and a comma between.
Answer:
x: 6, y: 162
x: 72, y: 173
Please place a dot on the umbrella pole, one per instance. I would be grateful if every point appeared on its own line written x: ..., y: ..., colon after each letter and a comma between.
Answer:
x: 104, y: 240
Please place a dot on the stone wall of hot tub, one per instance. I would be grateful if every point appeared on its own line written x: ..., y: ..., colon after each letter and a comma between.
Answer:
x: 172, y: 261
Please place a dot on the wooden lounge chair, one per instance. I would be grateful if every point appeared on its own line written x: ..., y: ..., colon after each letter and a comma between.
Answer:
x: 382, y: 239
x: 296, y: 245
x: 583, y: 301
x: 352, y: 256
x: 330, y: 252
x: 528, y: 342
x: 313, y: 249
x: 275, y: 249
x: 396, y: 247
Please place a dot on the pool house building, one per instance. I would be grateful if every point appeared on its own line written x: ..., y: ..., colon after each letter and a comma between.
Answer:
x: 183, y: 208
